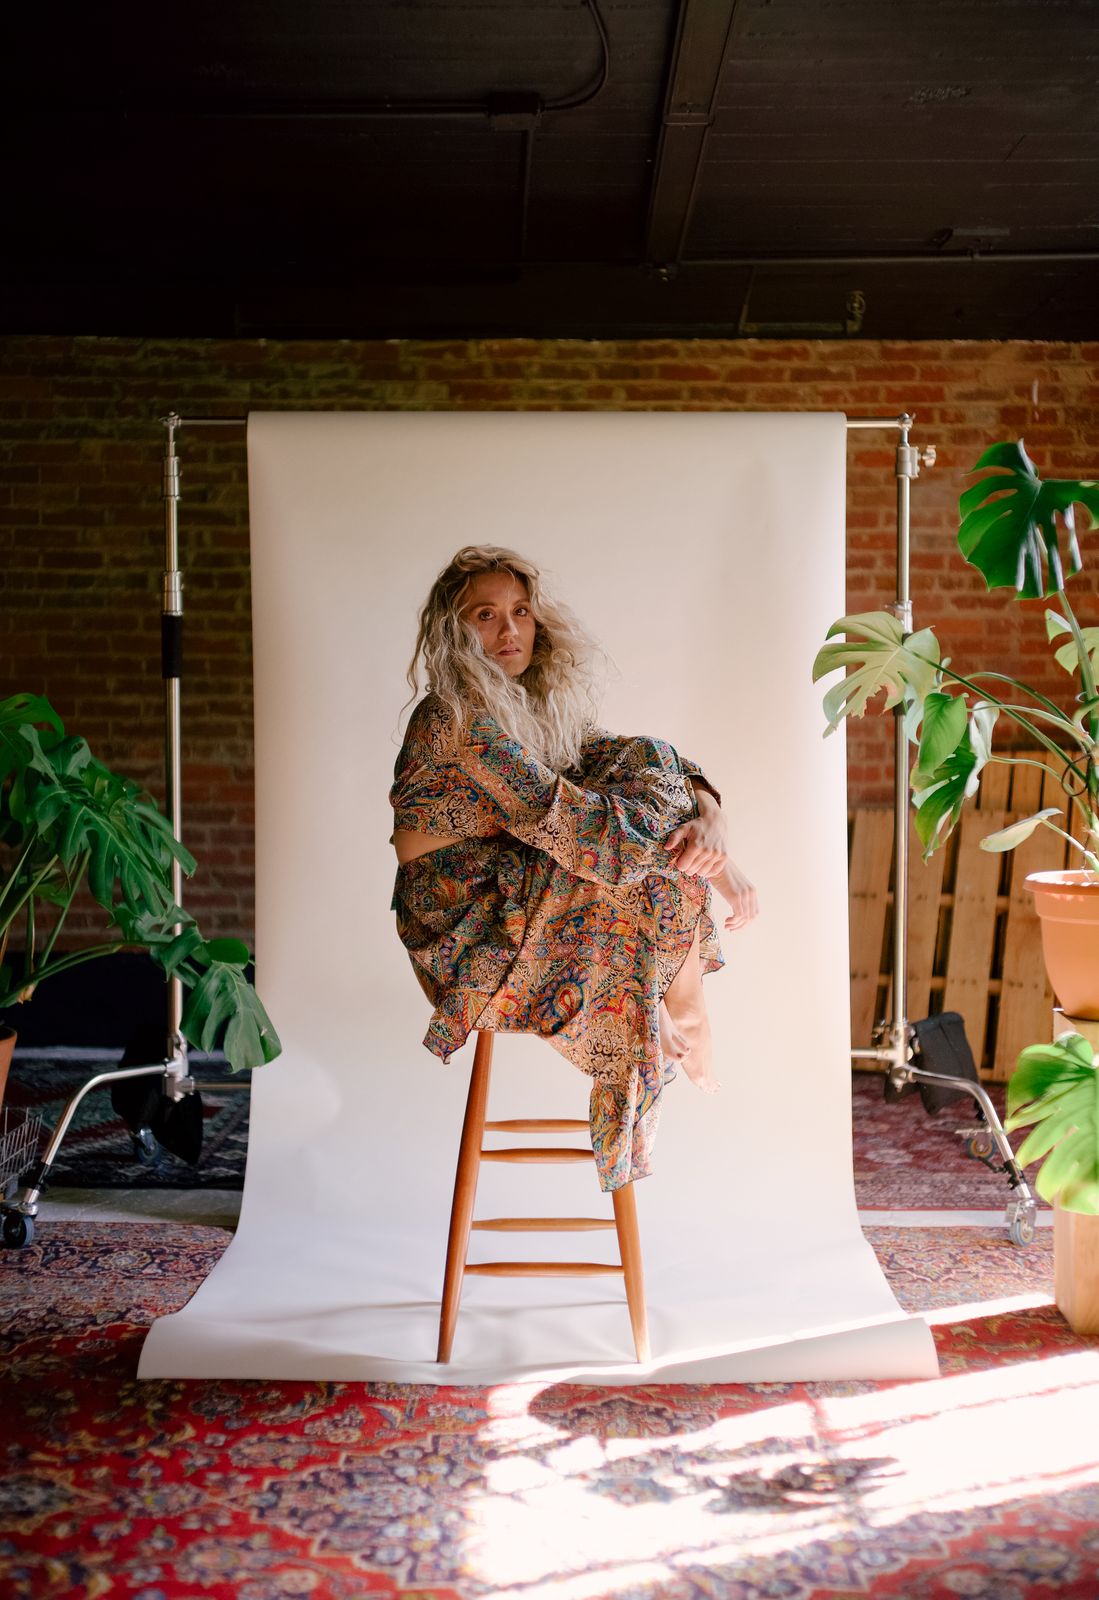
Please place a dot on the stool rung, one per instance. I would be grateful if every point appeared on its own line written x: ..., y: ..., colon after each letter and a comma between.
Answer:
x: 541, y: 1269
x: 539, y: 1125
x: 543, y: 1224
x: 536, y: 1152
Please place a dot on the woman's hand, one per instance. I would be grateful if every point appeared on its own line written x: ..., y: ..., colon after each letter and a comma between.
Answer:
x: 739, y: 895
x: 701, y: 846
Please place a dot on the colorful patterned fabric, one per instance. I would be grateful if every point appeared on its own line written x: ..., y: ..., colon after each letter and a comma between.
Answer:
x: 558, y: 913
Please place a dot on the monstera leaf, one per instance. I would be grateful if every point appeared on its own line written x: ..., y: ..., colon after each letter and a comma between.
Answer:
x: 939, y: 792
x: 1055, y: 1090
x: 1068, y: 656
x: 882, y: 659
x: 89, y: 812
x: 222, y: 1006
x: 1009, y: 529
x: 20, y: 743
x: 1015, y: 833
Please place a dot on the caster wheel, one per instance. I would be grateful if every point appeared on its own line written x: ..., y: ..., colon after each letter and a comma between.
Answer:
x: 978, y: 1145
x: 146, y: 1148
x: 1021, y: 1229
x: 18, y: 1230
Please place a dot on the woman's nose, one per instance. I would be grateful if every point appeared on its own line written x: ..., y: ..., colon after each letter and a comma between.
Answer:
x: 508, y: 628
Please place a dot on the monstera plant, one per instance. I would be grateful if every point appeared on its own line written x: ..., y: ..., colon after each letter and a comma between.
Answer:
x: 1055, y: 1091
x: 1018, y: 530
x: 66, y: 821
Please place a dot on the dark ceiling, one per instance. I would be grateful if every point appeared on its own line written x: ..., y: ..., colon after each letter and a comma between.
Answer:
x: 597, y: 168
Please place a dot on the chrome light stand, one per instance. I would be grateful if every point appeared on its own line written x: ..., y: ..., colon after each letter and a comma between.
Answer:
x: 18, y: 1214
x: 894, y: 1037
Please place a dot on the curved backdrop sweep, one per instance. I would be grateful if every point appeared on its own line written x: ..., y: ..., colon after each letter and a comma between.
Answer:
x: 706, y: 552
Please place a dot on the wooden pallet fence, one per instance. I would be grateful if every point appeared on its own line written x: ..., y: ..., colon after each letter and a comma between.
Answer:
x: 974, y: 944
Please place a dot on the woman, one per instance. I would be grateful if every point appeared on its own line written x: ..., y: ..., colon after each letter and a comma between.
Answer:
x: 552, y: 876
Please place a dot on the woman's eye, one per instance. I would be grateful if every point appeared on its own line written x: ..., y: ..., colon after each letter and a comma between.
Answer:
x: 522, y: 611
x: 484, y: 616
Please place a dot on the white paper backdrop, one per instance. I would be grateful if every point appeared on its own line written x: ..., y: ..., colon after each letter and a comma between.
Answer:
x: 707, y: 554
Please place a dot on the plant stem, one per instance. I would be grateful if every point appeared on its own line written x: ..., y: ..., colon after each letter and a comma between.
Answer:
x: 1003, y: 677
x: 77, y: 879
x: 1087, y: 683
x: 1091, y: 859
x: 1012, y: 712
x: 11, y: 913
x: 13, y: 878
x: 28, y: 944
x: 63, y: 964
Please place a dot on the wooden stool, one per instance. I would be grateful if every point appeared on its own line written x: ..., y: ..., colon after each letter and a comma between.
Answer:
x: 470, y: 1156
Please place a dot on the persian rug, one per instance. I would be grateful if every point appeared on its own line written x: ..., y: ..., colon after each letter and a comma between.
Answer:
x: 98, y: 1150
x: 983, y: 1483
x: 906, y: 1160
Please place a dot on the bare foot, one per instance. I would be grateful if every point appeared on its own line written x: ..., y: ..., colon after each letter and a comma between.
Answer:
x: 701, y: 1075
x: 675, y: 1045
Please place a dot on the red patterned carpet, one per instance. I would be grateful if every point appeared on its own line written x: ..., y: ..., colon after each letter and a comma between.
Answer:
x: 906, y: 1160
x: 982, y: 1484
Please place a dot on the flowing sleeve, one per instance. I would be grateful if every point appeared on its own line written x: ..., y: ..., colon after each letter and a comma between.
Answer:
x: 613, y: 836
x: 699, y: 778
x: 604, y: 759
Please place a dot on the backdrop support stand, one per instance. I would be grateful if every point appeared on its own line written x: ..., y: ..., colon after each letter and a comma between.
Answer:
x: 895, y: 1035
x: 17, y: 1215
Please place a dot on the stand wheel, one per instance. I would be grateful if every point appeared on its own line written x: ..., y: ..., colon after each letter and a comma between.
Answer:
x: 18, y: 1230
x: 146, y: 1148
x: 1022, y: 1223
x: 978, y: 1145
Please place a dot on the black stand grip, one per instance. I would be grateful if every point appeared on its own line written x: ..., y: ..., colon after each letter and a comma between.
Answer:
x: 171, y: 646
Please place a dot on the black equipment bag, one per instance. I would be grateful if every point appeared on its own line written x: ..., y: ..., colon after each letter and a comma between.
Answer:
x: 941, y: 1046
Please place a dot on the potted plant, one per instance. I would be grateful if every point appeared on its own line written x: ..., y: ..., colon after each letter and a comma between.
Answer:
x: 1055, y: 1092
x: 66, y: 820
x: 1018, y: 530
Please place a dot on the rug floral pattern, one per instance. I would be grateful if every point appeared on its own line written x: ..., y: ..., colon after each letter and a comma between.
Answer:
x: 327, y: 1491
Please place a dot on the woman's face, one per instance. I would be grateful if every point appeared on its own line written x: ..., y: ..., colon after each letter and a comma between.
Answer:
x: 499, y: 608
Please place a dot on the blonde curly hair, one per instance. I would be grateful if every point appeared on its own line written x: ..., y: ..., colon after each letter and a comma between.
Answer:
x: 552, y: 705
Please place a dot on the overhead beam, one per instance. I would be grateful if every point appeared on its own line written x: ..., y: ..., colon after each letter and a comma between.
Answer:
x: 702, y: 39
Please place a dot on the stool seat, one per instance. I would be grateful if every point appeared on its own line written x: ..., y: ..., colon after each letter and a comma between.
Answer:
x: 470, y: 1155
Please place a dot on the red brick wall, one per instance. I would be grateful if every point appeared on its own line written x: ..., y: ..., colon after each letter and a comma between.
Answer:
x: 81, y: 520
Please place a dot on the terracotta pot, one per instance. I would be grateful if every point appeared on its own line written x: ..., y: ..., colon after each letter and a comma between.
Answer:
x: 7, y: 1045
x: 1068, y: 904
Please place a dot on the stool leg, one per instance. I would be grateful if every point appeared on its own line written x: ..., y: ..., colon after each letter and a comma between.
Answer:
x: 465, y: 1192
x: 629, y: 1246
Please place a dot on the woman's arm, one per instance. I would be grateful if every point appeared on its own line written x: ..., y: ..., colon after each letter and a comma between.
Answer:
x: 701, y: 844
x: 613, y: 837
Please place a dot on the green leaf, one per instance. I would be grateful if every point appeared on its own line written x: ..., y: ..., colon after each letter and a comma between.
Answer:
x: 21, y: 745
x: 1068, y: 656
x: 233, y: 951
x: 1055, y: 1091
x: 1014, y: 834
x: 222, y: 998
x: 945, y: 718
x: 1012, y: 522
x: 88, y: 809
x: 939, y: 795
x: 881, y: 659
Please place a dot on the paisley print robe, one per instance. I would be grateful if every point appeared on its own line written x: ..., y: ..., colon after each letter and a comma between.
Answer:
x: 559, y: 912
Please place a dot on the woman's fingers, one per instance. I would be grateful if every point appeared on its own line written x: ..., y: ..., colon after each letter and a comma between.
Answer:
x: 745, y: 907
x: 695, y: 850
